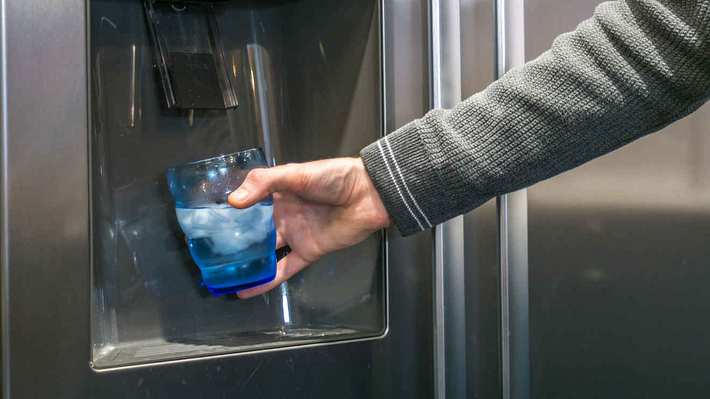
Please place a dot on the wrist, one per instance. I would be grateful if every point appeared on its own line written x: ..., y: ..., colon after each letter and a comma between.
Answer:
x: 378, y: 216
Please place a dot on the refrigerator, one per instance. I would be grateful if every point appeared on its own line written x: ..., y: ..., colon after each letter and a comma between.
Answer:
x: 590, y: 284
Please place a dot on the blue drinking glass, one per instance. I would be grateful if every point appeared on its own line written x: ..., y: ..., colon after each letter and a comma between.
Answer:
x: 234, y: 248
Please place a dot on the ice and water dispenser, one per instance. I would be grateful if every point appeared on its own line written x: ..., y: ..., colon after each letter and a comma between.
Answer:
x: 176, y: 81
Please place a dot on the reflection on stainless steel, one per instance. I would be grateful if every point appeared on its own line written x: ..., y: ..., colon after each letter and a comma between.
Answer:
x: 266, y: 116
x: 263, y: 99
x: 285, y: 306
x: 229, y: 95
x: 619, y: 258
x: 514, y: 302
x: 132, y: 89
x: 513, y: 229
x: 449, y: 290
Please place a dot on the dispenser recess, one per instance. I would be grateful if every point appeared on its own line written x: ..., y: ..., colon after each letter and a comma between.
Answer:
x: 308, y: 77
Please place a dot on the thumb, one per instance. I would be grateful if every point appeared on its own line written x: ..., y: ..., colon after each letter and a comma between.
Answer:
x: 259, y: 183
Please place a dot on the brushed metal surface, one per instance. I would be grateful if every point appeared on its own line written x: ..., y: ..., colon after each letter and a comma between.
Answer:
x: 449, y: 282
x: 619, y: 258
x: 4, y: 264
x: 513, y: 229
x: 480, y: 226
x: 45, y: 194
x: 48, y: 242
x: 407, y: 97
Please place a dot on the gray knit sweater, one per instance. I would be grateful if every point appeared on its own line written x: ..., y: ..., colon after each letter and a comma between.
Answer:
x: 630, y: 70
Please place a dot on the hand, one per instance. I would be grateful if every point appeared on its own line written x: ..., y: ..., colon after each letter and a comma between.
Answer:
x: 319, y: 207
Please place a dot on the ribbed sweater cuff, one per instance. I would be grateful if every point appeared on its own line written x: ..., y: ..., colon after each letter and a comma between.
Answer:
x: 401, y: 169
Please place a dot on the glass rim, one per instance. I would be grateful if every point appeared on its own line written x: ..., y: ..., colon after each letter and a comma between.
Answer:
x: 230, y: 158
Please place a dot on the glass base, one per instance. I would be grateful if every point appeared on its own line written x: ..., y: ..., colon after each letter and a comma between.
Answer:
x: 236, y: 289
x: 233, y: 277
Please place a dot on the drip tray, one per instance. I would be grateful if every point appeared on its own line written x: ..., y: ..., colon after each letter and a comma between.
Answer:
x: 146, y: 352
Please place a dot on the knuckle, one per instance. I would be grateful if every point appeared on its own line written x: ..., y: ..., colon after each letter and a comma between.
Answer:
x: 290, y: 176
x: 256, y: 177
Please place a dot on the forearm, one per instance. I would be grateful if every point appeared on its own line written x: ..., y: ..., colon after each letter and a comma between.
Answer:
x: 630, y: 70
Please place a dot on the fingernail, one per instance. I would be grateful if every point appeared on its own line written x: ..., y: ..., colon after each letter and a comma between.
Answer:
x: 240, y: 195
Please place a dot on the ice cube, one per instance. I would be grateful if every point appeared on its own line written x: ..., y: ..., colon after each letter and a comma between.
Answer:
x: 252, y: 227
x: 230, y: 230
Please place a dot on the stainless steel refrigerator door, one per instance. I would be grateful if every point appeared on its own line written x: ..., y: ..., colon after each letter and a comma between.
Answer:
x: 619, y: 258
x: 46, y: 281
